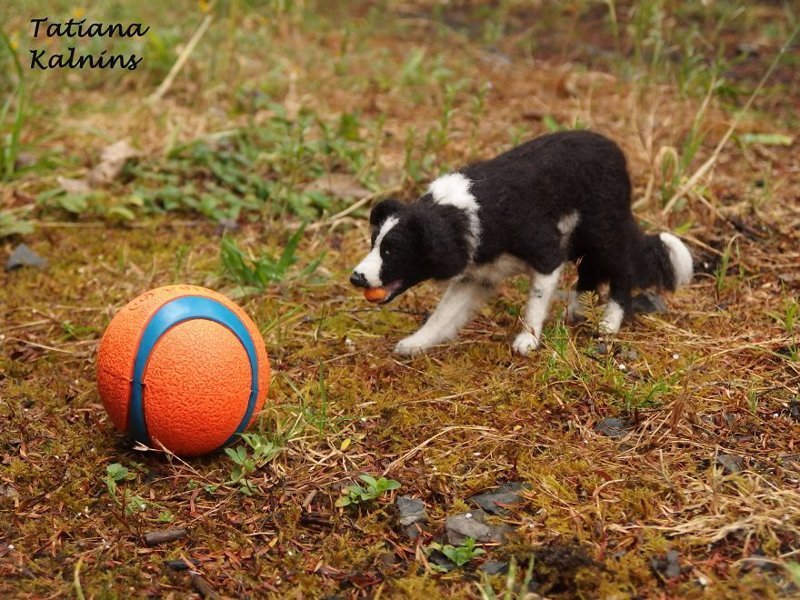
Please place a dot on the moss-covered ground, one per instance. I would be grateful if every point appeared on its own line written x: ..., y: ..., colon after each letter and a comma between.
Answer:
x: 287, y: 113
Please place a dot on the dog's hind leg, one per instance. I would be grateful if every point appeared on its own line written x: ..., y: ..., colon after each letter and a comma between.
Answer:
x: 619, y: 304
x: 455, y: 308
x: 542, y: 288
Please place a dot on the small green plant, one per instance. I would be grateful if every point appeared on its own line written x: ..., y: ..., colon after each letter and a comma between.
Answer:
x: 263, y: 452
x: 753, y: 400
x: 165, y: 516
x: 255, y: 274
x: 459, y: 555
x: 10, y: 141
x: 790, y: 319
x: 134, y: 504
x: 794, y: 572
x: 116, y: 473
x: 721, y: 272
x: 553, y: 126
x: 375, y: 488
x: 12, y: 224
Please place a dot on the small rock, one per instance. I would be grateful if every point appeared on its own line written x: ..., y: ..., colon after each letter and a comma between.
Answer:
x: 746, y: 50
x: 473, y: 525
x: 794, y: 410
x: 411, y: 515
x: 8, y: 491
x: 411, y: 510
x: 494, y: 567
x: 613, y: 427
x: 177, y: 565
x: 628, y: 355
x: 22, y: 256
x: 495, y: 501
x: 791, y: 461
x: 759, y: 561
x: 601, y: 348
x: 25, y: 160
x: 667, y: 565
x: 648, y: 302
x: 226, y: 225
x: 730, y: 464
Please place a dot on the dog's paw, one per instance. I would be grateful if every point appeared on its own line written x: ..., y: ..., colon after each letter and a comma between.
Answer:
x: 524, y: 343
x: 410, y: 346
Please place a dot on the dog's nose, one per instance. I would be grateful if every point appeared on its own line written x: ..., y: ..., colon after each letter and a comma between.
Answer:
x: 358, y: 280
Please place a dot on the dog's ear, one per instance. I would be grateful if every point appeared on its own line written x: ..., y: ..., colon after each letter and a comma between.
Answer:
x: 383, y: 210
x: 444, y: 248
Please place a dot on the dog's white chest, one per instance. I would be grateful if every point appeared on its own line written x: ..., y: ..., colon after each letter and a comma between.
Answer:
x: 494, y: 272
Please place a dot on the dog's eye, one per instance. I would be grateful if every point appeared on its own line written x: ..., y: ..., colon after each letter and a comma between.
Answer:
x: 386, y: 251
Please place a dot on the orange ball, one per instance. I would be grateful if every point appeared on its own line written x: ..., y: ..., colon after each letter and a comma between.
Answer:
x: 183, y: 367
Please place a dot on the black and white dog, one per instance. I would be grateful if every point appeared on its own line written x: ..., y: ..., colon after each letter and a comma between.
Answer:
x: 559, y: 197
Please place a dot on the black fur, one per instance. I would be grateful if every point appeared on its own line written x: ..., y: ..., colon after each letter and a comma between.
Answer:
x: 522, y: 195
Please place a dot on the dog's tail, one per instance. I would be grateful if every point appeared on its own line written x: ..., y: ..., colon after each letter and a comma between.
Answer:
x: 662, y: 261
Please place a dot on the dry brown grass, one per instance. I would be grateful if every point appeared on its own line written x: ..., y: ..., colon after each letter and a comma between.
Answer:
x: 717, y: 376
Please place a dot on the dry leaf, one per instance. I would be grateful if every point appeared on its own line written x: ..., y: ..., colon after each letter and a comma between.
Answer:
x: 339, y: 185
x: 576, y: 83
x: 73, y: 186
x: 112, y: 159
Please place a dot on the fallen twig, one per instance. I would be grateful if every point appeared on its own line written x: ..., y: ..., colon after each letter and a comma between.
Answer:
x: 154, y: 538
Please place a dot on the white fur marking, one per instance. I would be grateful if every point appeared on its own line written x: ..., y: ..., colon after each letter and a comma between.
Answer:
x: 612, y: 318
x: 370, y: 267
x: 501, y: 268
x: 542, y: 288
x: 454, y: 310
x: 453, y: 189
x: 680, y: 257
x: 568, y: 223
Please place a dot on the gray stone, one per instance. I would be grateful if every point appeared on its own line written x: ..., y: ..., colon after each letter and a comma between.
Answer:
x: 494, y: 502
x: 473, y: 525
x: 601, y: 348
x: 494, y: 567
x: 730, y: 464
x: 667, y: 565
x: 410, y: 510
x: 22, y: 256
x: 411, y: 516
x: 649, y: 302
x: 613, y: 427
x: 794, y: 410
x: 791, y: 461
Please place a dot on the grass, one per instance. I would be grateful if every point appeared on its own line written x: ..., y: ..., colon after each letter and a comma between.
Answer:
x: 255, y: 175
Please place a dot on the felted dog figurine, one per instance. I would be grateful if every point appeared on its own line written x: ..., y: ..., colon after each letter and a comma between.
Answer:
x: 557, y: 198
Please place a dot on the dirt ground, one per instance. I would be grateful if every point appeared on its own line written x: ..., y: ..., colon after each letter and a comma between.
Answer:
x: 290, y: 114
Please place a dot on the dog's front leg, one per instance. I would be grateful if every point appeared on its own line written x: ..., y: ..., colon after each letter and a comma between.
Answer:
x: 542, y: 288
x: 454, y: 310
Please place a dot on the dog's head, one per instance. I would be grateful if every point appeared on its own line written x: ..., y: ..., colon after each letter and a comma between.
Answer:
x: 409, y: 245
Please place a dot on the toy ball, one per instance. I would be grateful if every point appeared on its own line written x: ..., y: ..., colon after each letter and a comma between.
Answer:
x: 182, y: 367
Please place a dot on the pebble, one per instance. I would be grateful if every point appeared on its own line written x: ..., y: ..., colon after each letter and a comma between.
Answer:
x: 613, y: 427
x: 23, y: 256
x: 495, y: 501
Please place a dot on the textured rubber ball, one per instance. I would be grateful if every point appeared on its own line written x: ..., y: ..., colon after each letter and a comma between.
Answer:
x: 184, y: 367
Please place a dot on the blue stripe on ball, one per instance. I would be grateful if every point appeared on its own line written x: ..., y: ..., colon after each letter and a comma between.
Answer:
x: 168, y: 316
